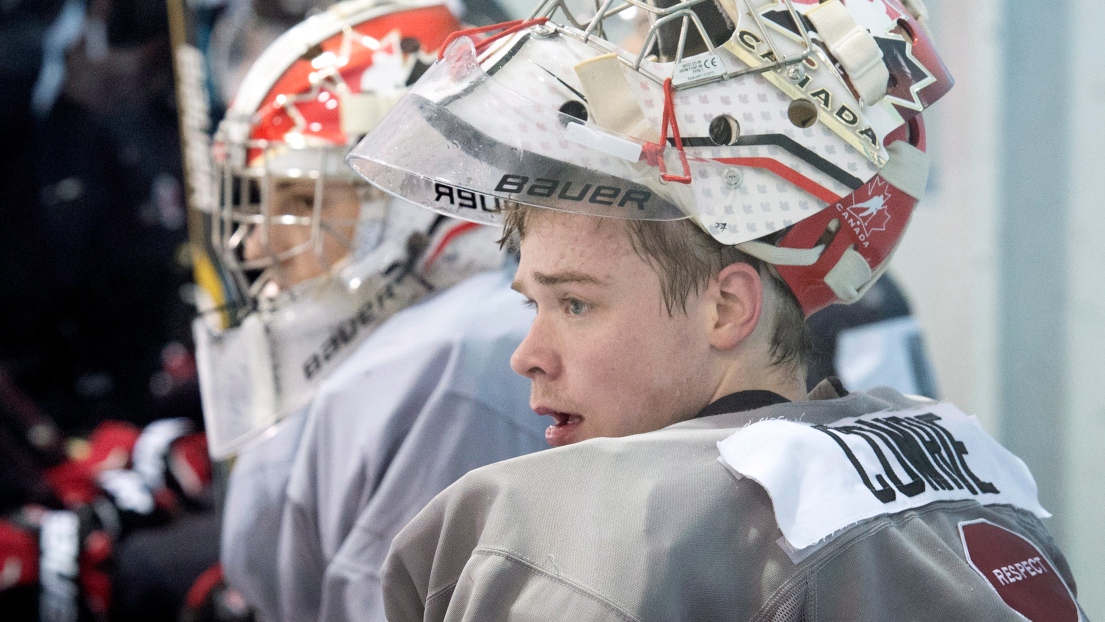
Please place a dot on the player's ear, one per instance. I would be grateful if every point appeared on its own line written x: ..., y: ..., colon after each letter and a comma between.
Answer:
x: 737, y: 298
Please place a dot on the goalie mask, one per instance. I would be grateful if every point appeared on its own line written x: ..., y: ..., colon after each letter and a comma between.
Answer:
x: 314, y: 259
x: 790, y: 128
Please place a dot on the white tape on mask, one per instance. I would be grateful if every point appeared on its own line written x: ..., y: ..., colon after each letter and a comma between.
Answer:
x: 607, y: 143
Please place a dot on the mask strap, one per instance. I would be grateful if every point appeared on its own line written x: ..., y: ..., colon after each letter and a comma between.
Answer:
x: 507, y: 28
x: 653, y: 153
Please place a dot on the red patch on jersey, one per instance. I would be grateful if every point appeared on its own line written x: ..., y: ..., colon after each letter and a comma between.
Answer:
x: 1021, y: 575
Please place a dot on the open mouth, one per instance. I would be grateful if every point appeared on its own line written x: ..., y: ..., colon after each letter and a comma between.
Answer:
x: 565, y: 427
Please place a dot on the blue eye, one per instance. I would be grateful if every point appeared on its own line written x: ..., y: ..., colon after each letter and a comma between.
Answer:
x: 576, y: 307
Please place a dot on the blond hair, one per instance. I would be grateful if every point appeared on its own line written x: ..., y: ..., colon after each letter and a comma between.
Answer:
x: 686, y: 258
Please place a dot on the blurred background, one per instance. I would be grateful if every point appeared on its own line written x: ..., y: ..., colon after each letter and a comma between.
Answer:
x: 1001, y: 265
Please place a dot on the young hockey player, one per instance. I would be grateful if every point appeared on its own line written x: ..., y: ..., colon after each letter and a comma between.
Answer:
x: 683, y: 214
x: 365, y: 366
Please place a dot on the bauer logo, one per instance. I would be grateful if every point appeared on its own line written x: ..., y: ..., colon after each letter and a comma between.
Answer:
x: 345, y: 333
x: 1018, y: 571
x: 460, y: 199
x: 545, y: 188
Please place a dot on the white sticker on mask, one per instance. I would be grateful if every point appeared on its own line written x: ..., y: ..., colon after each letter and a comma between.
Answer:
x: 823, y: 478
x: 696, y: 68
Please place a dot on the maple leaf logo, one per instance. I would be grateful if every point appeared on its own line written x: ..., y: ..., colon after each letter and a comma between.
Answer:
x: 389, y: 69
x: 396, y: 63
x: 908, y: 75
x: 872, y: 214
x: 874, y: 15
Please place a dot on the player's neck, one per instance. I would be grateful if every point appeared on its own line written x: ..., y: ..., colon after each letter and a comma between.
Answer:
x: 784, y: 380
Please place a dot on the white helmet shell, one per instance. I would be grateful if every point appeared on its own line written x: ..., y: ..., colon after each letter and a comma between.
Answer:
x: 772, y: 128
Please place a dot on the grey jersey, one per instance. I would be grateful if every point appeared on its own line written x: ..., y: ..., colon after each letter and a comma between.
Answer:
x: 654, y: 527
x: 425, y: 398
x: 252, y: 515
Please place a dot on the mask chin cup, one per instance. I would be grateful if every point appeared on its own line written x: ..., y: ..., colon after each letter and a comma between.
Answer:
x: 237, y: 385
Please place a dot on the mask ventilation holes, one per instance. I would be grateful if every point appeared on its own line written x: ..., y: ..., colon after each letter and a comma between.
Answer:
x: 829, y: 234
x: 907, y: 30
x: 575, y: 109
x: 724, y: 130
x: 802, y: 113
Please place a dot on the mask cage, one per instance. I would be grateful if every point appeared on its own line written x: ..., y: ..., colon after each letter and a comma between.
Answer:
x: 662, y: 20
x: 247, y: 200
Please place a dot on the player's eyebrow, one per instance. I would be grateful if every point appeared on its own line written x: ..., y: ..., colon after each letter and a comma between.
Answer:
x: 569, y: 276
x: 557, y: 278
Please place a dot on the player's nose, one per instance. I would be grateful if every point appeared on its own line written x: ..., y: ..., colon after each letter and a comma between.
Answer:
x: 536, y: 355
x: 252, y: 248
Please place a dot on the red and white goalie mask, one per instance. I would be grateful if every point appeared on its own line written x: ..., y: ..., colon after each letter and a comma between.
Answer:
x: 313, y: 257
x: 749, y: 116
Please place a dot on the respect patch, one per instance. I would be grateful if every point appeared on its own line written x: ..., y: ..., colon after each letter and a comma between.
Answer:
x: 1018, y: 571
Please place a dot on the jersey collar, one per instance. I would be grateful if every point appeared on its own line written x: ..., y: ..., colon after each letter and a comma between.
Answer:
x: 742, y: 401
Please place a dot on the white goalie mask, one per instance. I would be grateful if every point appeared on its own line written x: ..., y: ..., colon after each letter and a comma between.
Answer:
x: 747, y: 116
x: 313, y: 258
